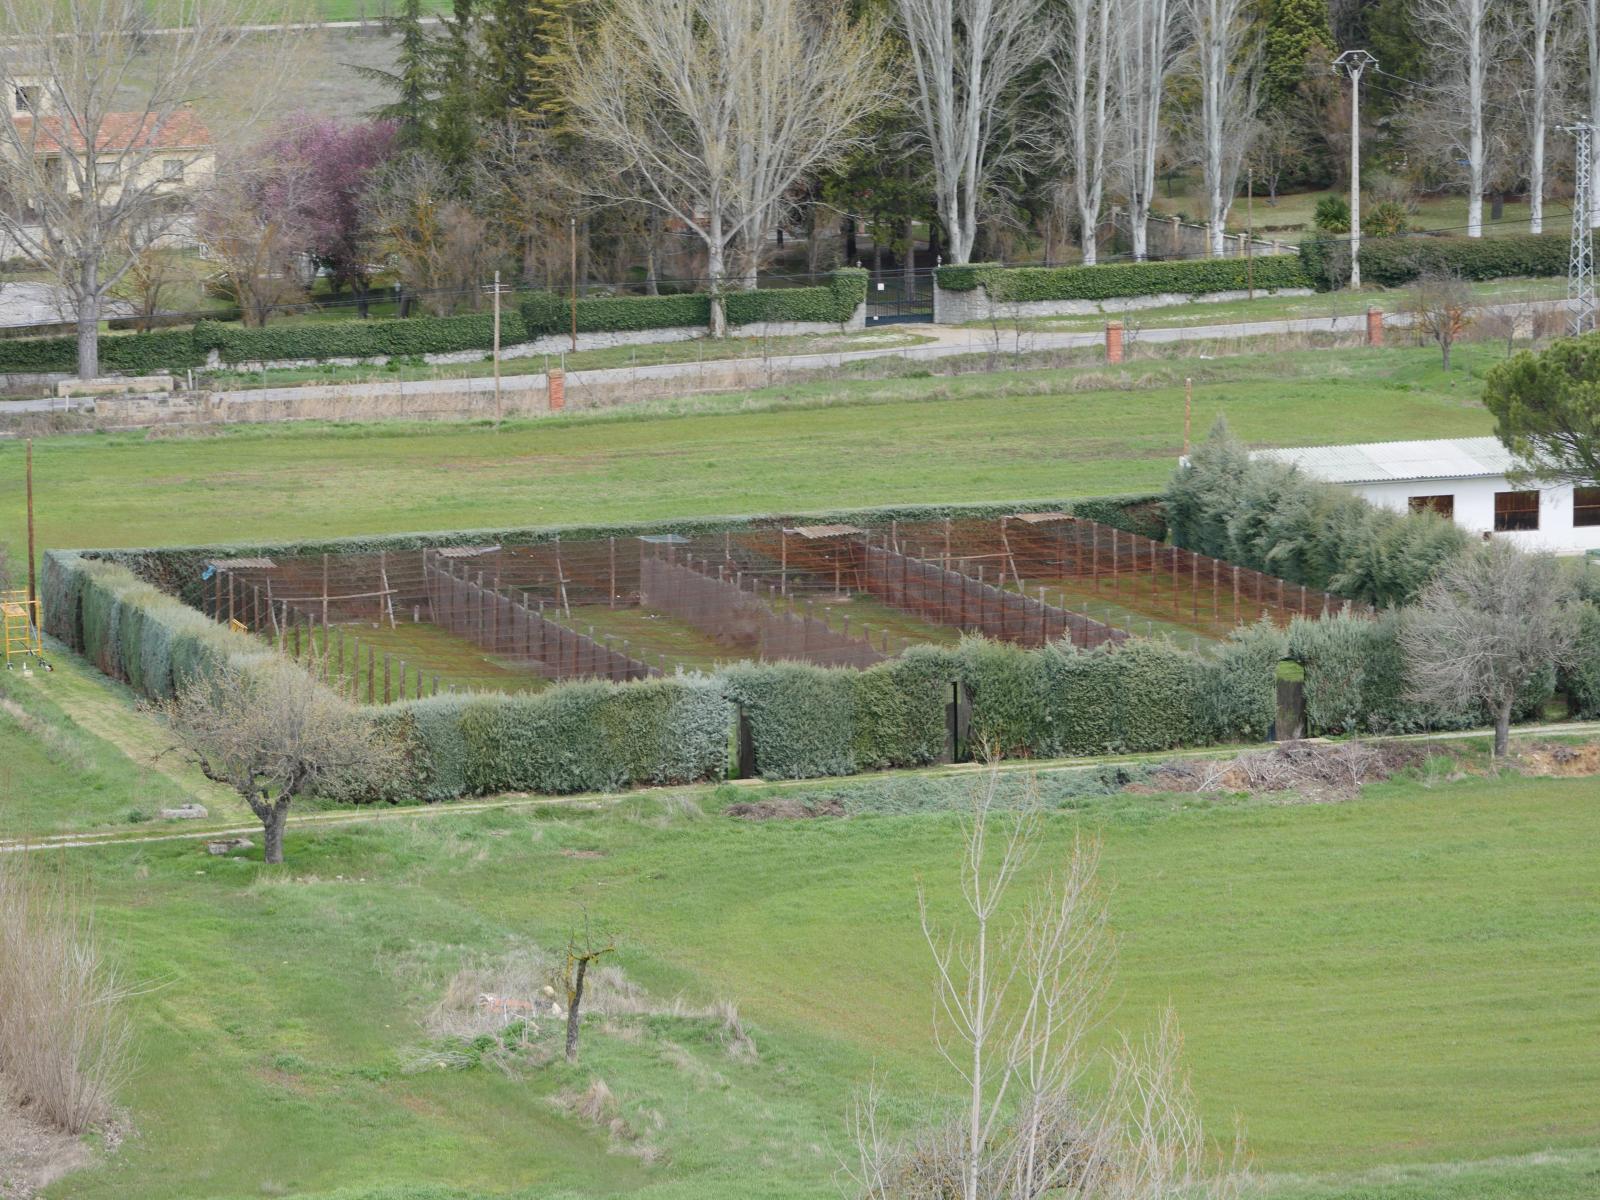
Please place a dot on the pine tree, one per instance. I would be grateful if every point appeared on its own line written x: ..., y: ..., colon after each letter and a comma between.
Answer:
x: 526, y: 56
x: 414, y: 81
x: 1294, y: 29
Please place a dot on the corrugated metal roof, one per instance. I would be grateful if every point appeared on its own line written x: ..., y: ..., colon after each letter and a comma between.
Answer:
x: 1377, y: 462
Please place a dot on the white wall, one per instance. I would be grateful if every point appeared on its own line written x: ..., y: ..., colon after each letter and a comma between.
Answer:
x: 1474, y: 510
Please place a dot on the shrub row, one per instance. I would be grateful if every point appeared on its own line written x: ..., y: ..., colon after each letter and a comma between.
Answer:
x: 1113, y: 281
x: 135, y: 354
x: 1266, y: 515
x: 1395, y: 261
x: 1356, y: 679
x: 536, y: 315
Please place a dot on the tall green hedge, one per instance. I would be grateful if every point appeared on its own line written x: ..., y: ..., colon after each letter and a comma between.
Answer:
x: 547, y: 313
x: 134, y: 354
x: 359, y: 339
x: 1266, y: 515
x: 1395, y: 261
x: 1120, y: 280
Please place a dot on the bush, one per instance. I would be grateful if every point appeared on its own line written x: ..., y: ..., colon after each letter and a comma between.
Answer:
x: 136, y: 354
x: 590, y: 736
x: 359, y: 339
x: 1581, y: 679
x: 1396, y: 261
x: 1267, y: 516
x: 1022, y: 285
x: 547, y: 313
x: 1332, y: 215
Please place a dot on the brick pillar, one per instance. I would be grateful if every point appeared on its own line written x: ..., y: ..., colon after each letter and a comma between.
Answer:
x: 1113, y: 341
x: 1374, y: 326
x: 556, y: 387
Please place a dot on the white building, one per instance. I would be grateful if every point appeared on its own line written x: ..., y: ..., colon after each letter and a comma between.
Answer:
x: 1463, y: 479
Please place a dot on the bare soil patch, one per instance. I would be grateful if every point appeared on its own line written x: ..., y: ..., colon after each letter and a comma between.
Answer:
x: 32, y: 1155
x: 1559, y: 759
x: 785, y: 809
x: 1312, y: 772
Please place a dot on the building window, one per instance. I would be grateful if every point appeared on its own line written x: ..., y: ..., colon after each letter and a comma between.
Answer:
x: 172, y: 170
x: 108, y: 172
x: 1515, y: 511
x: 26, y: 99
x: 1585, y: 506
x: 1445, y: 506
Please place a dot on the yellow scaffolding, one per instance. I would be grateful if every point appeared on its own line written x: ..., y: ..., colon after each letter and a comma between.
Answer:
x: 19, y: 621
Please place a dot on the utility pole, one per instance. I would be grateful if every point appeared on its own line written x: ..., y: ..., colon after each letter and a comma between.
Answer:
x: 1353, y: 63
x: 572, y: 242
x: 1580, y: 268
x: 1250, y: 232
x: 33, y: 588
x: 497, y: 406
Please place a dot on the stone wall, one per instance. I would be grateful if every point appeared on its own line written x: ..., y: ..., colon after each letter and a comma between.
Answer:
x: 959, y: 308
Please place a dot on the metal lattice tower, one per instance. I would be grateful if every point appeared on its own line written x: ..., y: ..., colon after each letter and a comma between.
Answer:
x: 1580, y: 271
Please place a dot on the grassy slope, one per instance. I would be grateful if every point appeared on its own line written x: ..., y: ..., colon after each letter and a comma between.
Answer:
x: 1347, y: 976
x: 796, y: 448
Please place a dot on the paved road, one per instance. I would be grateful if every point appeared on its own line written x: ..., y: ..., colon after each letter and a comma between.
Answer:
x: 948, y: 342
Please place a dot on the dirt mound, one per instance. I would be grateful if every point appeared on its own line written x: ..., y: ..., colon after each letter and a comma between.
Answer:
x: 785, y: 809
x: 1315, y: 771
x: 1559, y: 758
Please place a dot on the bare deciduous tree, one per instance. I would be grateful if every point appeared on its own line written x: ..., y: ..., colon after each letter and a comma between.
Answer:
x: 1493, y: 621
x: 714, y: 110
x: 247, y: 218
x: 441, y: 248
x: 1020, y: 988
x: 1226, y: 55
x: 1466, y: 37
x: 1535, y: 23
x: 584, y: 949
x: 84, y: 183
x: 968, y: 58
x: 273, y: 734
x: 1145, y: 56
x: 1439, y: 302
x: 1081, y: 110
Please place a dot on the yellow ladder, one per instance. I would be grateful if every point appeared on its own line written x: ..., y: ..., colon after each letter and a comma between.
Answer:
x: 19, y: 623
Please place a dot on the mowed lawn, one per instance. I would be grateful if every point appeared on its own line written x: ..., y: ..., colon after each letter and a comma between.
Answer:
x: 805, y: 447
x: 1407, y: 978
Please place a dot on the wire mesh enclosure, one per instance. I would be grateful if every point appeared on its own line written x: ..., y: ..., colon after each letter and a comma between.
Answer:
x: 390, y: 624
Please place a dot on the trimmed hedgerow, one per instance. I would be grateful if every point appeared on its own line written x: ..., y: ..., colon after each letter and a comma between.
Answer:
x: 547, y: 313
x: 136, y: 354
x: 596, y: 737
x: 1395, y: 261
x: 1580, y: 679
x: 1021, y: 285
x: 900, y: 709
x: 833, y: 303
x: 358, y: 339
x: 802, y: 718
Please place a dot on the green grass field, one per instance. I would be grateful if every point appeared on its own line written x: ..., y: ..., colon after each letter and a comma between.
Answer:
x: 1377, y: 988
x: 1394, y: 994
x: 793, y: 448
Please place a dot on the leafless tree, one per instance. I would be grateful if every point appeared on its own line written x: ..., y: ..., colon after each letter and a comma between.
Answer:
x: 714, y: 110
x: 1020, y: 989
x: 84, y: 183
x: 585, y: 948
x: 526, y: 183
x: 250, y: 231
x: 1081, y: 109
x: 1439, y: 303
x: 1226, y: 54
x: 1466, y: 38
x: 441, y: 248
x: 273, y: 734
x: 1535, y: 24
x: 1277, y: 140
x: 1493, y: 621
x: 1145, y: 55
x: 968, y: 60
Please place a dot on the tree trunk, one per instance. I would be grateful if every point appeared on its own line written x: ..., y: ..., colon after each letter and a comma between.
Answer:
x: 652, y: 286
x: 574, y: 1004
x: 719, y: 312
x: 909, y: 267
x: 89, y: 321
x: 850, y: 241
x: 1502, y: 730
x: 272, y: 832
x: 1444, y: 347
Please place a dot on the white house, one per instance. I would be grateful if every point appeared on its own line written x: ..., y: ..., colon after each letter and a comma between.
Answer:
x: 1463, y: 479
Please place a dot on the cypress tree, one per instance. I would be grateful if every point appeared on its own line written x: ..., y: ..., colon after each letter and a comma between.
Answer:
x: 1294, y: 28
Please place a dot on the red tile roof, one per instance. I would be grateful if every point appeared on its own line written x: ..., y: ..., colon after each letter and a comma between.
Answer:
x: 120, y: 132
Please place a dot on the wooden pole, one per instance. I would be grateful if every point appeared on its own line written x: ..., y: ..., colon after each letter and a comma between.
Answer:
x: 573, y: 278
x: 613, y: 548
x: 324, y: 594
x: 497, y: 410
x: 33, y: 584
x: 1188, y: 408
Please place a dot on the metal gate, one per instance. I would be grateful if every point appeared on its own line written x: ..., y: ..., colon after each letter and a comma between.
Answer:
x: 893, y: 296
